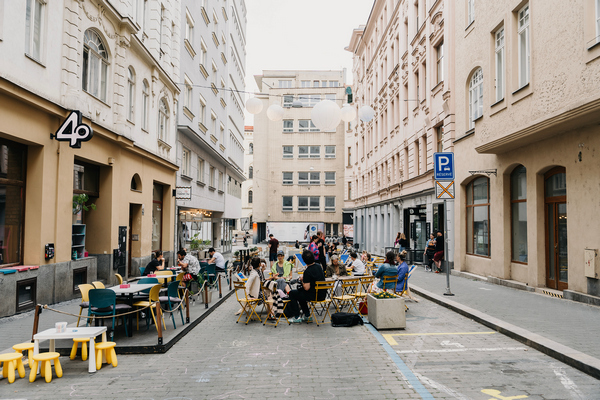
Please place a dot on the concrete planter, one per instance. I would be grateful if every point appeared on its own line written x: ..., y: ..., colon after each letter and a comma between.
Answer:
x: 386, y: 313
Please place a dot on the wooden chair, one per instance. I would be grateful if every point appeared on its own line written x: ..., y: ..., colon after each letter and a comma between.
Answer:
x: 363, y: 289
x: 349, y: 289
x: 321, y: 307
x: 85, y: 299
x: 248, y: 304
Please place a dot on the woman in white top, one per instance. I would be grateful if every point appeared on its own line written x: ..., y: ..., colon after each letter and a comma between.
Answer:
x: 255, y: 281
x: 357, y: 266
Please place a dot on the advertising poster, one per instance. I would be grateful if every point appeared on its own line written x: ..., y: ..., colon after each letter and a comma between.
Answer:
x: 349, y: 231
x: 292, y: 231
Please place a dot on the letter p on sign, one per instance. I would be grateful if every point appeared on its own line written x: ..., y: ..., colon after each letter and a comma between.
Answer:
x: 443, y: 166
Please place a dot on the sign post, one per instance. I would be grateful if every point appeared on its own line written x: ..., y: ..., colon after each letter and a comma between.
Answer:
x: 444, y: 189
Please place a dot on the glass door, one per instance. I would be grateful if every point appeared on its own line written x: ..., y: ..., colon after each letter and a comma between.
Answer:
x: 557, y: 260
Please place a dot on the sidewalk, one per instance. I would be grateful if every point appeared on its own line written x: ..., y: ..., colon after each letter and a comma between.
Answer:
x: 564, y: 329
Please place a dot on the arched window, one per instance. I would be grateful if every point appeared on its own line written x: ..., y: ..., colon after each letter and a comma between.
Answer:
x: 95, y: 65
x: 130, y: 93
x: 518, y: 211
x: 145, y: 104
x: 475, y: 97
x: 478, y: 217
x: 251, y: 148
x: 136, y: 183
x: 163, y: 120
x: 249, y: 196
x: 250, y: 172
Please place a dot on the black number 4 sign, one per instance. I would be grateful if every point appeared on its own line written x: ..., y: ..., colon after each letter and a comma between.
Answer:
x: 73, y: 131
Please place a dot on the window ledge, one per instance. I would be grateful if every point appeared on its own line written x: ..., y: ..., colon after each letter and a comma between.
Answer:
x: 135, y: 190
x: 189, y: 48
x: 35, y: 60
x: 188, y: 113
x: 200, y: 183
x: 521, y: 88
x: 595, y: 44
x: 468, y: 133
x: 185, y: 177
x: 211, y: 188
x: 478, y: 255
x: 221, y: 192
x: 287, y: 211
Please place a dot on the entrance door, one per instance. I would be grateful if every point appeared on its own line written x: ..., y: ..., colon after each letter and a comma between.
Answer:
x: 557, y: 266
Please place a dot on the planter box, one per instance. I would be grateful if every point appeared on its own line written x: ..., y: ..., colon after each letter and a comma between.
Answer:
x: 386, y: 313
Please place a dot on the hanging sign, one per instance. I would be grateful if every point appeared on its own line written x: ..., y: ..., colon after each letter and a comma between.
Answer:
x: 73, y: 131
x: 183, y: 192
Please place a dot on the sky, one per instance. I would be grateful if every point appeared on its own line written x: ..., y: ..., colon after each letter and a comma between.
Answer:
x: 300, y: 34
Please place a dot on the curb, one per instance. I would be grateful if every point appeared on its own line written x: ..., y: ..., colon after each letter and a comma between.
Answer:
x: 565, y: 354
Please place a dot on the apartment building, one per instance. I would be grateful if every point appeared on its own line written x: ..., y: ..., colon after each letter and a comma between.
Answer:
x: 298, y: 170
x: 88, y: 94
x: 527, y: 122
x: 248, y: 184
x: 210, y: 123
x: 402, y: 69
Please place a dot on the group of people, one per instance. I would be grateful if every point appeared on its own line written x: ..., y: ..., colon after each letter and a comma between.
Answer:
x: 434, y: 252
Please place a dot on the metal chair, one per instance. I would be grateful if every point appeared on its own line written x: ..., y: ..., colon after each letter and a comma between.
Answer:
x: 248, y: 304
x: 320, y: 307
x: 119, y: 278
x: 151, y: 302
x: 85, y: 300
x: 172, y: 300
x: 349, y: 289
x: 103, y: 302
x: 389, y: 279
x: 363, y: 289
x: 98, y: 285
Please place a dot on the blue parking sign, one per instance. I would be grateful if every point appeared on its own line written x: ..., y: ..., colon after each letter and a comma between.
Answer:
x: 443, y: 166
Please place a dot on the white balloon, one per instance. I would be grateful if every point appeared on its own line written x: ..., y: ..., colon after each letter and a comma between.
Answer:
x: 254, y: 105
x: 348, y: 113
x: 366, y: 113
x: 326, y: 115
x: 275, y: 112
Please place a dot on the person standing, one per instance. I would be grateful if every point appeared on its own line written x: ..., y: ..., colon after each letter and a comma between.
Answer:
x: 344, y: 240
x: 401, y: 242
x: 439, y: 252
x: 273, y: 245
x: 313, y: 247
x: 297, y: 244
x: 430, y: 252
x: 307, y: 292
x: 322, y: 250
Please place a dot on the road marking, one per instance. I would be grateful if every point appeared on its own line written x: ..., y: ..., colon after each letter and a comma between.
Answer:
x: 496, y: 395
x: 482, y: 349
x: 390, y: 336
x: 438, y: 386
x: 567, y: 382
x: 449, y: 343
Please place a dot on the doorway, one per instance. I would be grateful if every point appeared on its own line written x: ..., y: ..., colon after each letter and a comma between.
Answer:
x: 557, y: 265
x: 134, y: 230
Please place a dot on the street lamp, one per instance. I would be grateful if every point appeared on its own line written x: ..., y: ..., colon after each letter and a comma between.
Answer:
x: 326, y: 115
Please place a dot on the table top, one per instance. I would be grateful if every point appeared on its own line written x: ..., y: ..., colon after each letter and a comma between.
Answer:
x: 133, y: 288
x: 70, y: 333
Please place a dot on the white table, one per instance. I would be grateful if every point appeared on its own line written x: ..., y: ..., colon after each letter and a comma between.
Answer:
x: 72, y: 333
x: 133, y: 288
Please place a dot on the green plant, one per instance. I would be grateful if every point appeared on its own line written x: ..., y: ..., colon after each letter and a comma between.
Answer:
x: 384, y: 295
x: 195, y: 243
x: 79, y: 203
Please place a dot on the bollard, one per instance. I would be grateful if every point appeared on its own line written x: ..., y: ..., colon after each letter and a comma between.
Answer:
x: 220, y: 294
x: 158, y: 322
x: 230, y: 278
x: 36, y: 320
x: 187, y: 307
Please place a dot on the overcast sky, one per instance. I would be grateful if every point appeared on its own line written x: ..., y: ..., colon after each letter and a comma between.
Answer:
x: 301, y: 34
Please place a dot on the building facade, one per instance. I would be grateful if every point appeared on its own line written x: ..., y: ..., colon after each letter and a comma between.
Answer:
x: 298, y: 170
x: 114, y: 63
x: 248, y: 185
x: 211, y: 121
x: 402, y: 68
x: 527, y: 119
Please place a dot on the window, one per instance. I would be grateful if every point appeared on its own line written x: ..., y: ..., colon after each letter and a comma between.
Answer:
x: 285, y: 84
x: 314, y: 152
x: 330, y: 178
x: 163, y: 120
x: 211, y: 177
x: 12, y: 200
x: 251, y: 148
x: 334, y: 84
x: 306, y: 125
x: 288, y: 151
x: 315, y: 83
x: 470, y: 11
x: 440, y: 138
x: 214, y: 75
x: 130, y: 93
x: 200, y: 170
x: 95, y: 65
x: 288, y: 101
x: 330, y: 96
x: 475, y: 97
x: 524, y: 46
x: 349, y: 156
x: 203, y: 52
x: 309, y: 100
x: 329, y: 203
x: 329, y: 151
x: 288, y: 178
x: 349, y: 190
x: 34, y: 19
x: 499, y: 40
x: 305, y: 84
x: 250, y: 172
x: 160, y: 31
x: 202, y: 116
x: 213, y: 124
x: 287, y: 203
x: 187, y: 97
x: 302, y: 151
x: 185, y: 162
x: 189, y: 28
x: 221, y: 182
x: 478, y: 217
x: 314, y: 178
x: 26, y: 294
x: 440, y: 62
x: 302, y: 178
x: 145, y: 104
x: 250, y: 196
x: 157, y: 214
x: 306, y: 203
x: 288, y: 125
x: 518, y: 208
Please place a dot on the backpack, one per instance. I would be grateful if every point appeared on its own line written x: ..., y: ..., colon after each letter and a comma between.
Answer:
x: 345, y: 319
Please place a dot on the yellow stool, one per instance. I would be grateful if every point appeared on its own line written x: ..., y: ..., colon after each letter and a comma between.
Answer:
x: 111, y: 354
x: 21, y: 347
x: 84, y: 348
x: 11, y: 362
x: 46, y: 369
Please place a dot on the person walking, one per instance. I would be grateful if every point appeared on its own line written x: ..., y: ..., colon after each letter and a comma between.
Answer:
x: 401, y: 243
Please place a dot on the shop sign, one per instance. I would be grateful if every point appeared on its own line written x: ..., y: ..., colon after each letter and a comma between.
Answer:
x: 183, y: 192
x: 73, y: 131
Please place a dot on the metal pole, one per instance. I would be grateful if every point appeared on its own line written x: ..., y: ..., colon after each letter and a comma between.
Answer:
x: 448, y: 292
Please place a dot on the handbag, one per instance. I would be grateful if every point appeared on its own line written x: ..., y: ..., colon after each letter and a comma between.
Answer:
x: 345, y: 319
x: 363, y: 308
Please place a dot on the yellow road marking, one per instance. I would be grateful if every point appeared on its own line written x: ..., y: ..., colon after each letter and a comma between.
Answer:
x: 392, y: 342
x: 496, y: 395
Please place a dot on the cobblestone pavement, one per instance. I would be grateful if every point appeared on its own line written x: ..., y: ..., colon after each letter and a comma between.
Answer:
x: 453, y: 357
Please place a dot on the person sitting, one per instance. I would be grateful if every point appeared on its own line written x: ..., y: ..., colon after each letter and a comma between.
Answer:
x: 188, y: 263
x: 365, y: 257
x: 357, y: 265
x: 217, y: 259
x: 402, y: 271
x: 157, y: 263
x: 387, y: 269
x: 335, y: 268
x: 281, y: 270
x: 307, y: 291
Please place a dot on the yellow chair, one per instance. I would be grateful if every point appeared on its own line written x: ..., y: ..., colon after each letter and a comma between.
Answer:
x: 248, y: 304
x: 349, y: 289
x: 271, y: 303
x: 21, y: 347
x: 84, y: 351
x: 324, y: 304
x: 46, y: 369
x: 387, y: 279
x: 111, y: 354
x: 85, y: 298
x: 119, y: 278
x: 163, y: 276
x: 98, y: 285
x: 153, y: 298
x: 363, y: 289
x: 11, y: 362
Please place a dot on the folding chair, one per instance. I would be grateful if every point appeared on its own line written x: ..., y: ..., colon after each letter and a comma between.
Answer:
x: 302, y: 263
x: 349, y: 289
x: 344, y: 258
x: 248, y: 304
x: 406, y: 290
x: 386, y: 279
x: 272, y: 302
x: 363, y: 289
x: 321, y: 307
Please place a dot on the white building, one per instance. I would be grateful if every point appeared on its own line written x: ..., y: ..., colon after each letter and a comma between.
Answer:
x: 247, y: 186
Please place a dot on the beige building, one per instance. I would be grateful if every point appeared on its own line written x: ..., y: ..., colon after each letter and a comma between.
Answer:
x: 298, y: 170
x: 403, y: 70
x: 248, y: 184
x: 527, y: 122
x: 115, y: 63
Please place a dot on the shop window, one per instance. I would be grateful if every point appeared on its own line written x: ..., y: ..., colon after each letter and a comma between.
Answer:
x: 26, y: 294
x: 518, y: 208
x: 79, y: 278
x: 86, y: 180
x: 478, y: 217
x: 12, y: 200
x: 157, y: 216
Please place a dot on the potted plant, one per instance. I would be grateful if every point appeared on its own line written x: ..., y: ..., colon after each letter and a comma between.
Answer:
x: 79, y: 203
x: 386, y: 310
